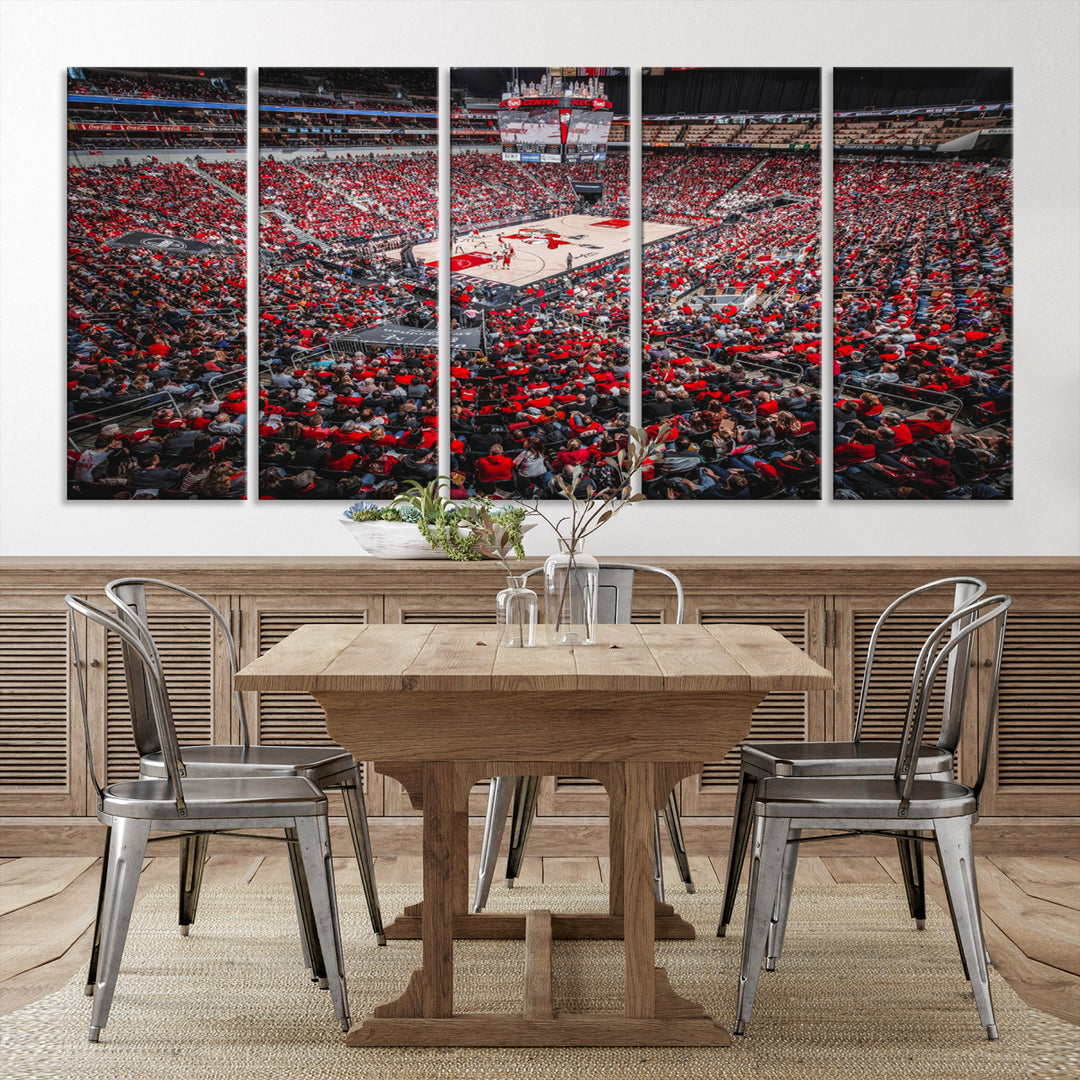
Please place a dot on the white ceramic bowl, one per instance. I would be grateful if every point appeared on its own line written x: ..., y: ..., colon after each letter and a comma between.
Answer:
x: 391, y: 539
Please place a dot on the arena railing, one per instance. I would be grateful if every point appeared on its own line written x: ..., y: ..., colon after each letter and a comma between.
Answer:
x: 229, y: 381
x: 787, y: 369
x: 686, y: 345
x: 922, y: 399
x: 80, y: 436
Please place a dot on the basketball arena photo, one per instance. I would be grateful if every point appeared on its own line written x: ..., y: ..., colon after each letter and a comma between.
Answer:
x: 541, y: 231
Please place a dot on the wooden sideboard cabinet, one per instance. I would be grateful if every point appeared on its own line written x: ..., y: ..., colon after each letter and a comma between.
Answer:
x: 826, y: 606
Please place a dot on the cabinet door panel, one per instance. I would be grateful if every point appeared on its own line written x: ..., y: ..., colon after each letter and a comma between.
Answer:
x: 197, y: 675
x: 781, y: 716
x: 42, y: 757
x: 1035, y: 769
x: 895, y: 656
x: 280, y: 718
x: 470, y: 609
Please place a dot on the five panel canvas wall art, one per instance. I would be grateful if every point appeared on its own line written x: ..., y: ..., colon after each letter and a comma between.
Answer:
x: 543, y: 229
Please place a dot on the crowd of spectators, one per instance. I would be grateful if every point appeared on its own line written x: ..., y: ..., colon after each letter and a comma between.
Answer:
x: 486, y: 191
x: 551, y: 389
x: 156, y: 358
x: 343, y: 420
x: 680, y: 187
x: 376, y: 87
x: 732, y: 325
x: 923, y: 330
x: 355, y: 197
x: 738, y: 383
x: 344, y: 426
x: 165, y: 85
x: 399, y: 190
x: 132, y: 125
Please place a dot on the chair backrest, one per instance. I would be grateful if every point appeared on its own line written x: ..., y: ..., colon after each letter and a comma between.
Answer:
x: 129, y: 596
x: 614, y: 602
x: 152, y: 682
x: 966, y: 590
x: 949, y: 638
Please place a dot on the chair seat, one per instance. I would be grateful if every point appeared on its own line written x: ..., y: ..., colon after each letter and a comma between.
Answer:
x: 863, y: 758
x: 226, y: 759
x: 861, y: 798
x: 219, y: 797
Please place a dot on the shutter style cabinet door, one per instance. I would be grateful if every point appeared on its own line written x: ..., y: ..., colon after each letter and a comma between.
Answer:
x: 1036, y: 770
x: 197, y: 674
x: 284, y: 719
x: 42, y: 758
x: 781, y: 716
x: 894, y: 665
x: 581, y: 796
x: 476, y: 608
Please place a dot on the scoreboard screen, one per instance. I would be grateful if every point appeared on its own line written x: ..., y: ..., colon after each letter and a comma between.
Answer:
x: 554, y: 128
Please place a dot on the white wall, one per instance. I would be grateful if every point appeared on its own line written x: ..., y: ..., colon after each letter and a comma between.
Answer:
x: 1039, y: 39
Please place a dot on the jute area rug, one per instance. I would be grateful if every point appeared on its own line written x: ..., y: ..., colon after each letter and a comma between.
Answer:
x: 859, y: 993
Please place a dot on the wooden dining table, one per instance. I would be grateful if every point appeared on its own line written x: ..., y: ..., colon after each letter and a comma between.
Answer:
x: 439, y: 707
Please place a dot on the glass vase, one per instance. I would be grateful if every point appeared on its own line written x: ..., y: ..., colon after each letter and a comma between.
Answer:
x: 571, y: 582
x: 516, y: 612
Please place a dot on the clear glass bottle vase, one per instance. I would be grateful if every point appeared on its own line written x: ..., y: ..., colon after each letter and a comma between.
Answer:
x: 516, y: 610
x: 571, y: 583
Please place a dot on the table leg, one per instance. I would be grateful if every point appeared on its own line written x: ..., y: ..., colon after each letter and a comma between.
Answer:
x: 639, y: 942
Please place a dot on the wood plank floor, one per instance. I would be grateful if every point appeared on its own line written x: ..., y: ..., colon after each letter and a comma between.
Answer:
x: 1031, y: 910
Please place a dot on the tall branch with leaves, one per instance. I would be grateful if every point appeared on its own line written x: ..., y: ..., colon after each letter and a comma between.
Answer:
x: 587, y: 514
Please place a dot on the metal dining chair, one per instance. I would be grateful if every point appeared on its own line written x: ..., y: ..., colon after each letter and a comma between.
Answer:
x: 179, y: 803
x: 330, y: 768
x: 902, y: 803
x: 520, y: 793
x: 859, y: 757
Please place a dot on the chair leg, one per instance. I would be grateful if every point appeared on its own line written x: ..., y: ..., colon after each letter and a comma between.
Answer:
x: 952, y: 919
x: 766, y: 864
x: 526, y: 792
x: 957, y: 859
x: 678, y: 844
x: 911, y: 865
x: 658, y: 865
x: 305, y: 919
x: 356, y: 815
x: 783, y: 900
x: 742, y: 826
x: 192, y: 863
x: 313, y: 834
x: 126, y: 851
x: 499, y: 796
x: 95, y: 949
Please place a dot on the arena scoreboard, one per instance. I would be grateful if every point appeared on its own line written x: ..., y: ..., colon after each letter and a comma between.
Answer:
x: 554, y: 128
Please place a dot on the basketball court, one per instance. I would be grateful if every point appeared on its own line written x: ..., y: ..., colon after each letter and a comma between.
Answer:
x: 540, y: 247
